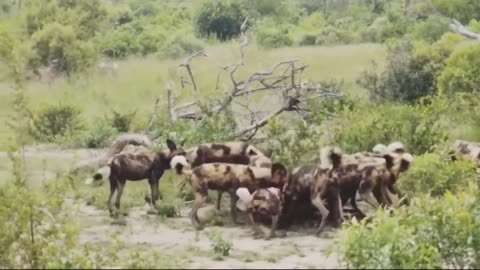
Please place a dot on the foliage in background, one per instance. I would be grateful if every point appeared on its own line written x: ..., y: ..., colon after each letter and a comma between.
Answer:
x: 417, y: 126
x: 430, y: 233
x: 461, y: 71
x: 411, y: 71
x: 54, y: 121
x: 462, y: 10
x: 220, y: 18
x: 435, y: 174
x: 219, y: 245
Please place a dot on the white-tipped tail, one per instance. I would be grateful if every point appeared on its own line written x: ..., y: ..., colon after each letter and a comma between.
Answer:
x: 325, y: 157
x: 244, y: 198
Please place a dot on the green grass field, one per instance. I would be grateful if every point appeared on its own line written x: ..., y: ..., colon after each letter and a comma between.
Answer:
x: 140, y: 80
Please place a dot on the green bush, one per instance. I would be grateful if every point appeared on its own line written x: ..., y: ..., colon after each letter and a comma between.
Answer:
x: 100, y: 135
x: 417, y: 126
x: 435, y: 174
x: 220, y: 18
x: 59, y: 42
x: 430, y: 233
x: 462, y: 10
x: 431, y: 29
x: 180, y: 44
x: 271, y: 37
x: 120, y: 42
x: 54, y: 121
x: 411, y: 71
x: 220, y: 246
x: 122, y: 121
x: 85, y: 16
x: 461, y: 73
x: 384, y: 244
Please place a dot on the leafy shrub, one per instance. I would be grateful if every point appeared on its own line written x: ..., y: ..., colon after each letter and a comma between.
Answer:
x: 430, y: 233
x: 55, y: 121
x: 55, y: 41
x: 474, y: 25
x: 461, y: 71
x: 436, y: 174
x: 84, y: 16
x: 332, y: 35
x: 220, y: 246
x: 411, y: 71
x: 187, y: 194
x: 166, y: 209
x: 462, y: 10
x: 120, y: 42
x: 100, y: 135
x: 273, y: 37
x: 121, y: 121
x: 180, y: 44
x: 418, y: 126
x: 221, y: 18
x: 308, y: 40
x: 291, y: 144
x: 431, y: 29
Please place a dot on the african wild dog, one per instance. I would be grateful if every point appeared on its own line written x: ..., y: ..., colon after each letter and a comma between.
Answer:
x: 373, y: 175
x: 316, y: 184
x: 228, y: 152
x: 229, y: 177
x: 262, y: 203
x: 140, y: 166
x: 465, y: 149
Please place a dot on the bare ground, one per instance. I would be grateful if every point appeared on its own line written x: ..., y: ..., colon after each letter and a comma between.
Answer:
x: 176, y: 236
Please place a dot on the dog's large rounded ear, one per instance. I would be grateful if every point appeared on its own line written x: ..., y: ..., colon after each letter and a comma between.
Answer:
x: 252, y: 152
x: 171, y: 145
x: 278, y: 168
x: 407, y: 159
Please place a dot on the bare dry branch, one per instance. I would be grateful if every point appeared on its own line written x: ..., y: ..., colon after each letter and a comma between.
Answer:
x: 154, y: 115
x: 186, y: 64
x: 291, y: 104
x: 458, y: 28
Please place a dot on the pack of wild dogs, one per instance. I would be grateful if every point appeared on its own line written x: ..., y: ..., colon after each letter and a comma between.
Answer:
x: 267, y: 191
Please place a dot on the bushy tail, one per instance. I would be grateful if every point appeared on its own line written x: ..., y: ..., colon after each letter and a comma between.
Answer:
x: 330, y: 156
x: 101, y: 174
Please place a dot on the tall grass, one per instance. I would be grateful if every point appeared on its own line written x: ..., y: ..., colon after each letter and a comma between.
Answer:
x: 140, y: 80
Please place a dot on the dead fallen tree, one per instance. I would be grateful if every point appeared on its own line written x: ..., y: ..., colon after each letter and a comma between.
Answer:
x: 458, y: 28
x: 283, y: 80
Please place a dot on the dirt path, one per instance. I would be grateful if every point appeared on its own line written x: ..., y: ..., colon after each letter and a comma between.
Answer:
x: 177, y: 235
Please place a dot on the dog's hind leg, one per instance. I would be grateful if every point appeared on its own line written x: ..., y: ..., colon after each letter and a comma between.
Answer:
x: 273, y: 228
x: 256, y: 230
x: 121, y: 185
x: 219, y: 200
x: 317, y: 202
x: 113, y: 188
x: 233, y: 206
